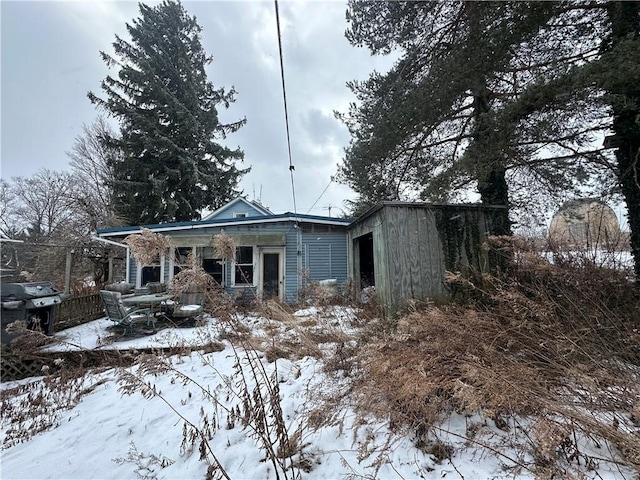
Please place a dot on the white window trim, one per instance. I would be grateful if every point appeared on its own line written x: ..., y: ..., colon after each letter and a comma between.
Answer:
x: 140, y: 267
x: 281, y: 270
x: 255, y: 265
x: 240, y: 215
x: 172, y: 258
x: 223, y: 264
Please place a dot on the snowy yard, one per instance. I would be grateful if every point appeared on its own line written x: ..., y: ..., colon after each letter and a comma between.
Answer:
x: 198, y: 415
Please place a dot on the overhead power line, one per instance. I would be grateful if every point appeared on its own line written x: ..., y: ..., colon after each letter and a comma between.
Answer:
x: 286, y: 113
x: 323, y: 191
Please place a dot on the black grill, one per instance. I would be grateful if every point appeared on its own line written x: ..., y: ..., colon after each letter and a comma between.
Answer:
x: 31, y: 303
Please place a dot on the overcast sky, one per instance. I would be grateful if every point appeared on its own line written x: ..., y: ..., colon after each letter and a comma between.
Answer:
x: 50, y: 60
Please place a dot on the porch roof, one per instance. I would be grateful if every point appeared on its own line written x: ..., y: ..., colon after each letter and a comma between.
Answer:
x: 200, y: 224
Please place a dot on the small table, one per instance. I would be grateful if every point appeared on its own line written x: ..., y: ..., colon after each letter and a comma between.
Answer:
x: 152, y: 301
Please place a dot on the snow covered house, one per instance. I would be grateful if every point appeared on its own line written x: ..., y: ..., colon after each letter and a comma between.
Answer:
x: 276, y: 255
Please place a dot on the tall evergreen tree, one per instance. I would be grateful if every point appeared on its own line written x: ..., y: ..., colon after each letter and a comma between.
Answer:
x: 597, y: 92
x: 623, y: 86
x: 510, y: 95
x: 173, y: 165
x: 432, y: 123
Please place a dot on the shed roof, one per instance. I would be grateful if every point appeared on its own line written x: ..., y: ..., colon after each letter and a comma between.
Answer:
x: 397, y: 203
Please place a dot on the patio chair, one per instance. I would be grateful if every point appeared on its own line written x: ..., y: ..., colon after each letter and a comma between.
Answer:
x: 122, y: 316
x: 191, y: 305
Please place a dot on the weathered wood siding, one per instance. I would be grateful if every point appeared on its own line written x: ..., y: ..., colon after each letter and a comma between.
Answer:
x: 374, y: 225
x: 463, y: 231
x: 415, y: 267
x: 414, y: 245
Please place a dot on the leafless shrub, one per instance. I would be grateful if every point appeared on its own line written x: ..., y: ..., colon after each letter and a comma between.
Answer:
x: 35, y: 407
x: 547, y: 341
x: 147, y: 246
x: 224, y: 245
x: 146, y: 464
x: 193, y: 278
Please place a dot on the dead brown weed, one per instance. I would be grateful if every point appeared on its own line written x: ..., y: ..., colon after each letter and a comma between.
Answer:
x: 147, y: 246
x: 544, y: 341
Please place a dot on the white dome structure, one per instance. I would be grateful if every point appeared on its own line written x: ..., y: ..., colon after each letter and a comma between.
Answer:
x: 585, y: 222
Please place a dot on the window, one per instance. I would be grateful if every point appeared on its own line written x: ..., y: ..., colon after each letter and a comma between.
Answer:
x: 180, y: 258
x: 243, y: 268
x: 212, y: 265
x: 316, y: 228
x: 239, y: 215
x: 150, y: 273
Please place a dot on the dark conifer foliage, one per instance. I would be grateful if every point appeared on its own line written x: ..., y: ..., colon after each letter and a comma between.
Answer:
x: 439, y: 101
x: 512, y: 99
x: 173, y: 164
x: 621, y: 78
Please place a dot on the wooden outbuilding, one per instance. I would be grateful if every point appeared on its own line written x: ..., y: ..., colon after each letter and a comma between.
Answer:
x: 404, y: 250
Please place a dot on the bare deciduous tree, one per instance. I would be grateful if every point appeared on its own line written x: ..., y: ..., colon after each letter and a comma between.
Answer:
x: 45, y: 204
x: 92, y: 156
x: 9, y: 226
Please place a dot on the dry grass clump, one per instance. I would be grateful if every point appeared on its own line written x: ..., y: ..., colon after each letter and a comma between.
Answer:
x: 285, y: 335
x: 451, y: 358
x: 147, y: 246
x: 556, y: 343
x: 28, y: 339
x: 224, y: 245
x: 320, y: 293
x: 287, y: 338
x: 193, y: 278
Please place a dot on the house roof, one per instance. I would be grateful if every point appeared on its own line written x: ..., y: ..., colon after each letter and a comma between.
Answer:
x: 200, y: 224
x: 252, y: 203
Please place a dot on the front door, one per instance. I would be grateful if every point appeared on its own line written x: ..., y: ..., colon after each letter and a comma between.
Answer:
x: 271, y: 283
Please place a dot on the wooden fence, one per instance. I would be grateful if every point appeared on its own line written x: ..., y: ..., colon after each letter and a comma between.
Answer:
x: 77, y: 311
x: 19, y: 365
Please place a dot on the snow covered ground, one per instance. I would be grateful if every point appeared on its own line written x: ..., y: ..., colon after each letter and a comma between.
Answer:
x: 180, y: 414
